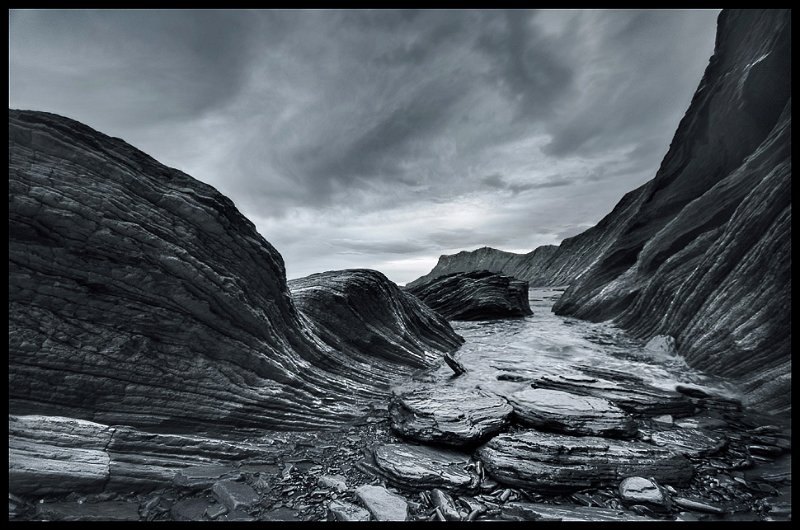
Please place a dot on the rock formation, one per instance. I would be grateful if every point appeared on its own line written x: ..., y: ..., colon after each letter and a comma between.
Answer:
x: 476, y: 295
x: 140, y: 296
x: 447, y: 415
x: 556, y: 463
x: 367, y: 319
x: 702, y: 251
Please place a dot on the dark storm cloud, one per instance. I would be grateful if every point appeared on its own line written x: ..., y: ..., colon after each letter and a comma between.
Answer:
x: 388, y: 134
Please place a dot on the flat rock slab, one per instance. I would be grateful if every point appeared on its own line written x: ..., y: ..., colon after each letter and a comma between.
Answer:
x: 693, y: 443
x: 100, y: 511
x: 423, y: 467
x: 534, y: 511
x: 53, y: 455
x: 571, y: 413
x: 555, y: 463
x: 190, y: 509
x: 346, y: 511
x: 235, y: 495
x: 628, y: 392
x: 641, y: 490
x: 383, y: 504
x: 202, y: 477
x: 447, y: 415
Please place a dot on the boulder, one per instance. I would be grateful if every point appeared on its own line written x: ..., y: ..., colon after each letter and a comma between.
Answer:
x: 556, y: 410
x: 447, y: 415
x: 334, y: 482
x: 557, y: 463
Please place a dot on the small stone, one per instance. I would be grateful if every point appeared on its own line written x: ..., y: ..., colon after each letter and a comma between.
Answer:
x: 189, y: 509
x: 215, y: 510
x: 335, y: 482
x: 382, y: 504
x: 664, y: 418
x: 697, y: 506
x: 445, y: 504
x: 641, y: 490
x: 235, y: 495
x: 345, y: 511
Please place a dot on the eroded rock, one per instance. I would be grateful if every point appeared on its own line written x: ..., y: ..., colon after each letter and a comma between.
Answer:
x: 556, y: 463
x: 477, y: 295
x: 447, y: 415
x: 561, y: 411
x: 235, y: 495
x: 690, y: 442
x: 641, y: 490
x: 424, y: 467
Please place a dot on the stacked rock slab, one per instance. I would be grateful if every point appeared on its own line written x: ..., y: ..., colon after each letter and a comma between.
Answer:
x: 477, y: 295
x: 423, y: 467
x: 140, y: 296
x: 553, y: 463
x: 447, y: 415
x: 571, y: 413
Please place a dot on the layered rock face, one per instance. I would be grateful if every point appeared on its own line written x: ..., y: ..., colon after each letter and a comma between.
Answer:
x: 705, y: 256
x: 476, y: 295
x: 702, y: 251
x: 367, y: 319
x: 140, y: 296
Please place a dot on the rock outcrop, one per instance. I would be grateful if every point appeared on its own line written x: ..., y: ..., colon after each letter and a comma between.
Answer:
x: 702, y: 252
x: 447, y: 415
x: 555, y: 463
x: 705, y: 255
x: 365, y: 318
x: 140, y: 296
x: 475, y: 295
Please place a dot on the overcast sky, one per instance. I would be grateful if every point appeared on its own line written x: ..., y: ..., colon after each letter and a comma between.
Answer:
x: 380, y: 139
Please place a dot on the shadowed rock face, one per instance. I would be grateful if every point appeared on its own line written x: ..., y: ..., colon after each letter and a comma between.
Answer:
x: 477, y: 295
x: 140, y: 296
x: 702, y: 251
x: 706, y: 255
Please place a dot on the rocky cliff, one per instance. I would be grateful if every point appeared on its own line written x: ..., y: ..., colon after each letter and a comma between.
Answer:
x: 705, y: 256
x: 702, y: 251
x: 140, y: 296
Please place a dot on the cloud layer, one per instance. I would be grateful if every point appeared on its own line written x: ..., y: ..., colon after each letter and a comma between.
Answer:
x: 380, y: 139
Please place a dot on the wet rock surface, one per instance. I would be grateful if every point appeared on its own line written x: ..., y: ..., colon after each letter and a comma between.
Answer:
x: 383, y: 504
x: 477, y: 295
x: 548, y: 462
x: 568, y: 413
x: 447, y: 415
x: 424, y: 467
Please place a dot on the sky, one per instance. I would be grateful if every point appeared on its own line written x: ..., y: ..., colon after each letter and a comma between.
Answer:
x: 380, y: 139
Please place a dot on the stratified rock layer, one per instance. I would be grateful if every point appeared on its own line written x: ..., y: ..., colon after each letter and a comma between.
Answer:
x: 705, y: 255
x: 555, y: 463
x: 422, y: 467
x: 702, y: 252
x: 140, y: 296
x: 476, y: 295
x: 569, y: 413
x: 366, y: 317
x: 447, y: 415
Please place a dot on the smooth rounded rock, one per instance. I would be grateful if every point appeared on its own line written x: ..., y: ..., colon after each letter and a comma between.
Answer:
x: 561, y: 411
x: 639, y: 489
